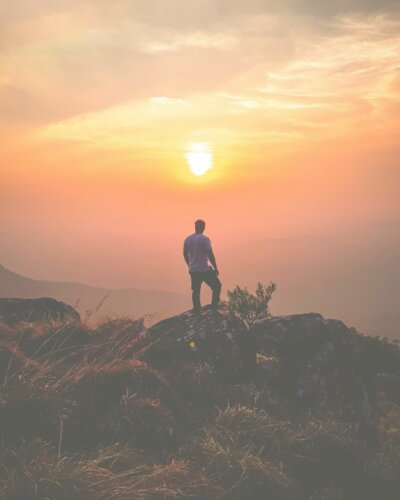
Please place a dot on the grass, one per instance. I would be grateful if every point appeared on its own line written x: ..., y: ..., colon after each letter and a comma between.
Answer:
x: 83, y: 417
x: 231, y: 452
x: 33, y: 470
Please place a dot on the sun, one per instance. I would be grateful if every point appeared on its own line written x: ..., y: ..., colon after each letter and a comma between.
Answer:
x: 199, y: 158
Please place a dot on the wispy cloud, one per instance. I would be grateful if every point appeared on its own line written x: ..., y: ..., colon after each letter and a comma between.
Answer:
x: 248, y: 74
x: 340, y: 84
x: 175, y: 42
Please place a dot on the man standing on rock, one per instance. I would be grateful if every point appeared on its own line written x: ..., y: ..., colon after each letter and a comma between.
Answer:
x: 197, y: 252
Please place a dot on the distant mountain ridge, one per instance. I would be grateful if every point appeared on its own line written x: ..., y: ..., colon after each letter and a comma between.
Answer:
x: 87, y: 298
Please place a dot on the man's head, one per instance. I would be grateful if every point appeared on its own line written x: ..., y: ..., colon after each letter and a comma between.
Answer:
x: 200, y: 225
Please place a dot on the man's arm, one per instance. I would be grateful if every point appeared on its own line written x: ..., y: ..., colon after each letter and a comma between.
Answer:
x: 186, y: 254
x: 211, y: 256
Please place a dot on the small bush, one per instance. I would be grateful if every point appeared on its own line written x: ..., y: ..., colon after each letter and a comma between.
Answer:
x: 250, y: 307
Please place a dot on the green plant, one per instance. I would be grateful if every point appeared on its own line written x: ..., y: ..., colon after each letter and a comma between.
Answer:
x: 250, y: 307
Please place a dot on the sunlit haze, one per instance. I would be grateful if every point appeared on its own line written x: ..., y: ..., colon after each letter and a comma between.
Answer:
x: 278, y: 123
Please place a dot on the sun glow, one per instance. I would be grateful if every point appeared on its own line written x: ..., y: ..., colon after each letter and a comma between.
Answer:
x: 199, y: 158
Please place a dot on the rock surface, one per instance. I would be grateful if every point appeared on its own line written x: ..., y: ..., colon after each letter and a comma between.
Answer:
x: 214, y: 337
x: 308, y: 363
x: 14, y: 311
x: 317, y: 365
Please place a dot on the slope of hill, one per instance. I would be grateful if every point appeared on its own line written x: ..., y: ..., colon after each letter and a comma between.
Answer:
x: 299, y: 407
x: 86, y: 298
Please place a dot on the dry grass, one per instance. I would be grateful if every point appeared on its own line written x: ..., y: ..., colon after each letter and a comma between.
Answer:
x: 238, y: 464
x: 33, y: 470
x: 83, y: 417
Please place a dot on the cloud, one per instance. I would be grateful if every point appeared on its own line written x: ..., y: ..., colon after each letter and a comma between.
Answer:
x: 98, y: 67
x: 193, y: 40
x: 317, y: 88
x: 317, y: 61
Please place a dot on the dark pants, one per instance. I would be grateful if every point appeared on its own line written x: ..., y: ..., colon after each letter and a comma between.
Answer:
x: 209, y: 277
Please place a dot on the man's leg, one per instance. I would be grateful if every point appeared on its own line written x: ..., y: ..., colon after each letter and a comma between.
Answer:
x: 196, y: 286
x: 213, y: 282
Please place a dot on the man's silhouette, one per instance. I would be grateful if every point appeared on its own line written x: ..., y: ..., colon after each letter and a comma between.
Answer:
x: 197, y: 251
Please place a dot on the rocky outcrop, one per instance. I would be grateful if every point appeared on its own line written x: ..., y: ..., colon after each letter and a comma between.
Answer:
x: 14, y: 311
x: 309, y: 364
x: 314, y: 364
x: 215, y: 337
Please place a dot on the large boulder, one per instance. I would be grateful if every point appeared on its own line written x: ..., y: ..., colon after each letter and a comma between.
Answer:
x: 314, y: 364
x: 13, y: 311
x: 215, y: 337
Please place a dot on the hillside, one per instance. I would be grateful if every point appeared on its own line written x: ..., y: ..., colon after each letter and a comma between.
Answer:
x: 299, y: 407
x: 129, y: 301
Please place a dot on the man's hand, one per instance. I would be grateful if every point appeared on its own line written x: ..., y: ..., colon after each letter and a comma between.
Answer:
x: 213, y: 262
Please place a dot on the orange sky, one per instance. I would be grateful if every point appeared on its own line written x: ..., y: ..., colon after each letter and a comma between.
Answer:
x: 298, y: 103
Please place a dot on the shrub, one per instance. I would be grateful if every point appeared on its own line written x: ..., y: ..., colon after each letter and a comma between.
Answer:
x: 250, y: 307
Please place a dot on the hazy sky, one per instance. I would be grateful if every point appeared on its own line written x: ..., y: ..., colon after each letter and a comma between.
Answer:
x: 298, y: 103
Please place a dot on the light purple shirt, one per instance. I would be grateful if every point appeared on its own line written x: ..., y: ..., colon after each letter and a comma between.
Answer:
x: 197, y: 246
